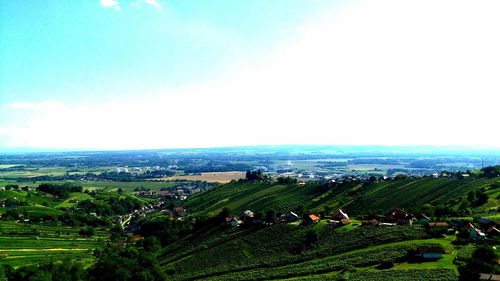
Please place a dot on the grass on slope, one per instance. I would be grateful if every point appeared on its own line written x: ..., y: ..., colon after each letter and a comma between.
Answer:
x: 22, y: 244
x: 280, y: 245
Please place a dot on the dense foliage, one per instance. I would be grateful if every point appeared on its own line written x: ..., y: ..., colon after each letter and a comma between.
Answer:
x: 59, y: 190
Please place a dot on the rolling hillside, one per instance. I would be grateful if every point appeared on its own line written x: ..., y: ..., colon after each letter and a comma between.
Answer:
x: 357, y: 198
x: 284, y: 251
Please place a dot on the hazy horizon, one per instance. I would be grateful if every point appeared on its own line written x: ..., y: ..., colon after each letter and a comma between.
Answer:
x: 303, y: 148
x: 155, y: 74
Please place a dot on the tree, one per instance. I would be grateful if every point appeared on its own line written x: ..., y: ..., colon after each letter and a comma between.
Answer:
x: 87, y: 231
x: 255, y: 175
x: 270, y: 216
x: 126, y: 264
x: 311, y: 238
x: 486, y: 254
x: 484, y: 259
x: 224, y: 213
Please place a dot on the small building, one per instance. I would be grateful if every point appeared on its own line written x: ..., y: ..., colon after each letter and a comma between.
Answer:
x: 311, y: 218
x: 422, y: 219
x: 372, y: 222
x: 339, y: 215
x: 476, y: 234
x: 248, y: 214
x: 345, y: 221
x: 456, y: 224
x: 486, y: 223
x: 399, y: 216
x: 232, y: 222
x: 290, y: 216
x: 493, y: 231
x: 179, y: 211
x: 489, y: 276
x: 438, y: 225
x: 138, y: 238
x: 339, y: 222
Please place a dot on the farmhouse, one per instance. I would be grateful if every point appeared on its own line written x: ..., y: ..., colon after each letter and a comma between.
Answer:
x: 339, y: 215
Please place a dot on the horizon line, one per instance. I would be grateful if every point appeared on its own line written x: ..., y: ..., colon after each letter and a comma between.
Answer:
x: 437, y: 148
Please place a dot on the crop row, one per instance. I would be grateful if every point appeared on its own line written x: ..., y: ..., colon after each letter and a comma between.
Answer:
x: 282, y: 244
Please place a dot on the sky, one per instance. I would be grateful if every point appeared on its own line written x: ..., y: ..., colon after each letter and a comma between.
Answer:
x: 146, y: 74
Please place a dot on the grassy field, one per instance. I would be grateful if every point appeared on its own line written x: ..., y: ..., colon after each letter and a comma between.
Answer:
x: 220, y: 177
x: 103, y: 185
x: 23, y: 244
x: 73, y: 199
x: 21, y: 171
x: 125, y: 186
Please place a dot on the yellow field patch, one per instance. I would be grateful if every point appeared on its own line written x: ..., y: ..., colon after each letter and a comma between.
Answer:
x: 221, y: 177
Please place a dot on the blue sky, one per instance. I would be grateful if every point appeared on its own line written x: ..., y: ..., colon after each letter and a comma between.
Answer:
x: 68, y: 50
x: 132, y: 74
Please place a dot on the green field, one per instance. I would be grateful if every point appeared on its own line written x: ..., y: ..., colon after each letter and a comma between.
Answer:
x: 23, y: 244
x: 277, y: 252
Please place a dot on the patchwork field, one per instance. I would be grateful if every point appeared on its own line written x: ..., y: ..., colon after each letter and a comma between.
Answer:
x: 220, y: 177
x: 23, y: 244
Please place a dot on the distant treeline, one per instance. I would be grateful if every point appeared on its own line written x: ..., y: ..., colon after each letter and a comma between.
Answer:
x: 108, y: 176
x: 59, y: 190
x: 215, y: 166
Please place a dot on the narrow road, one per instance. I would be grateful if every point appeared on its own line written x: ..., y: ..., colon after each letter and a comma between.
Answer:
x: 126, y: 221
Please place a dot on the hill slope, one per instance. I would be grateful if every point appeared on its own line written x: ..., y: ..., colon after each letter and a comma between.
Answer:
x: 315, y: 252
x: 356, y: 197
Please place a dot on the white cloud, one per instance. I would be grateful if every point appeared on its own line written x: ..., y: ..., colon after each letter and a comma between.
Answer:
x: 34, y: 106
x: 153, y: 3
x: 384, y: 72
x: 111, y: 4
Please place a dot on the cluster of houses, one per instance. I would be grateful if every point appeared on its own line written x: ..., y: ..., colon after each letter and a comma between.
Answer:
x: 338, y: 218
x: 180, y: 193
x: 486, y: 227
x: 339, y: 178
x: 139, y: 170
